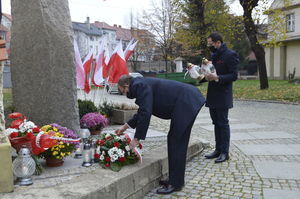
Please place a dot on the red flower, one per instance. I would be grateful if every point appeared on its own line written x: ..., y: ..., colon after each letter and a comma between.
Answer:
x: 15, y: 115
x: 36, y: 130
x: 107, y: 165
x: 116, y: 144
x: 97, y: 156
x: 102, y: 142
x: 30, y: 136
x: 128, y: 140
x: 122, y: 159
x: 107, y: 159
x: 140, y: 146
x: 14, y: 134
x: 108, y: 137
x: 16, y: 123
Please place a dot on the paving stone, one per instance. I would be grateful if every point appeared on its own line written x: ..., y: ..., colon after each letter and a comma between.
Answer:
x: 236, y: 126
x: 261, y: 135
x: 270, y: 149
x: 280, y: 194
x: 278, y: 170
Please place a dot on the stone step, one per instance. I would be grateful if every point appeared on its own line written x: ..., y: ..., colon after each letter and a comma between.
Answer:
x: 131, y: 182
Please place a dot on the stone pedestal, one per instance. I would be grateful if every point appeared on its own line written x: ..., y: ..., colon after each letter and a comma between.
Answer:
x: 42, y: 62
x: 121, y: 116
x: 6, y: 174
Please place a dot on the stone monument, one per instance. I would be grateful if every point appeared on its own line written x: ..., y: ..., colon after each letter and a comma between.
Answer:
x: 42, y: 62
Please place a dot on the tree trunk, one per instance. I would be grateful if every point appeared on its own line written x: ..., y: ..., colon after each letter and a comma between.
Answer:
x: 257, y: 48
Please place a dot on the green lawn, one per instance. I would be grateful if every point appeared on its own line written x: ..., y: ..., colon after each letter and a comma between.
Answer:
x: 279, y: 90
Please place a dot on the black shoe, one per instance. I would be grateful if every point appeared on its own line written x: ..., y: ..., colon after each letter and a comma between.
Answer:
x: 212, y: 155
x: 164, y: 182
x: 223, y: 157
x: 168, y: 189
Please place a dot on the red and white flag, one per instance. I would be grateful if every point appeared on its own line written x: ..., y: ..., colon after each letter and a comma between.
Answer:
x: 118, y: 64
x: 106, y: 69
x: 80, y: 74
x: 130, y: 49
x: 97, y: 78
x: 87, y: 64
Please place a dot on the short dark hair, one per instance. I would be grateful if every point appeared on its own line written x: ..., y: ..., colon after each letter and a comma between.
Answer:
x: 124, y: 80
x: 215, y: 36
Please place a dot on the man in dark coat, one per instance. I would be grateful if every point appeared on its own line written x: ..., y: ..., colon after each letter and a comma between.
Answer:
x: 219, y: 94
x: 166, y: 99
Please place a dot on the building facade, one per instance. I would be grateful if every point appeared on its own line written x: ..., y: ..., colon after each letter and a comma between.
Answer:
x: 282, y: 60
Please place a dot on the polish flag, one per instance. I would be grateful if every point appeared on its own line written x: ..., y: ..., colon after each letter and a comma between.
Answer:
x: 118, y: 64
x: 80, y: 75
x: 129, y: 49
x: 87, y: 64
x: 97, y: 78
x: 105, y: 71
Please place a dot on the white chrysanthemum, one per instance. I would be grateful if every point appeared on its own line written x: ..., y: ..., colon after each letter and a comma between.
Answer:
x: 101, y: 157
x: 127, y: 148
x: 121, y: 153
x: 8, y: 131
x: 27, y: 126
x: 98, y: 150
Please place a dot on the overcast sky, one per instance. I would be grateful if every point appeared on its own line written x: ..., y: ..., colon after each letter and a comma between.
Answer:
x: 110, y: 11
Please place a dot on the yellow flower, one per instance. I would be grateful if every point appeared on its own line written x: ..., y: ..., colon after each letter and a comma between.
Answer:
x: 58, y: 157
x: 54, y: 153
x: 62, y: 154
x: 61, y: 142
x: 55, y: 129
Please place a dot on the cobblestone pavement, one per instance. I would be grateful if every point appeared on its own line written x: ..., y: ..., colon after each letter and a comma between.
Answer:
x: 238, y: 178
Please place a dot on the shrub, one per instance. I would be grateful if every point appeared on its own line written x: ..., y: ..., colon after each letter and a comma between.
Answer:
x: 86, y: 106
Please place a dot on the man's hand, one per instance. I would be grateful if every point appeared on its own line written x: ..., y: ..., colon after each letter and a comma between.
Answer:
x: 134, y: 143
x: 211, y: 77
x: 121, y: 130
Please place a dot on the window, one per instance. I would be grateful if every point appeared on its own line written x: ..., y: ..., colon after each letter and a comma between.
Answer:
x: 290, y: 22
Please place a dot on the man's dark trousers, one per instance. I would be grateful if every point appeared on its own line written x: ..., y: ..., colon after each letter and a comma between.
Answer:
x: 178, y: 140
x: 222, y: 130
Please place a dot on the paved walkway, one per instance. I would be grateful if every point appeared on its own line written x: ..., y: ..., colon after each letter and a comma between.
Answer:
x: 264, y: 155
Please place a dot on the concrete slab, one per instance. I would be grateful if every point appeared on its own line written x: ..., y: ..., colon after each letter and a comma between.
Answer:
x: 270, y: 149
x: 209, y: 121
x: 278, y: 170
x: 261, y: 135
x: 150, y: 133
x: 279, y: 194
x: 236, y: 126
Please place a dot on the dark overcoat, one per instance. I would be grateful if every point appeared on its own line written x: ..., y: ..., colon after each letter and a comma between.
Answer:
x: 219, y: 94
x: 166, y: 99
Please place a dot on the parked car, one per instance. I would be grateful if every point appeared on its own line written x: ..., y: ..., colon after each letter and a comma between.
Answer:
x: 112, y: 88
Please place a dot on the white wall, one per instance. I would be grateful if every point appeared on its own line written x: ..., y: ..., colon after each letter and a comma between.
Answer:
x: 293, y: 57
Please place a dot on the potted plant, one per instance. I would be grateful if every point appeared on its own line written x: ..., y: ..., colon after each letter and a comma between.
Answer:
x: 55, y: 155
x: 95, y: 122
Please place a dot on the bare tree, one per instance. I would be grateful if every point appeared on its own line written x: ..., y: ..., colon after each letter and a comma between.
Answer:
x: 160, y: 21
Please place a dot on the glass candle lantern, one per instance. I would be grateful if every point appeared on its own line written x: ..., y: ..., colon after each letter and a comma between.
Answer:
x: 24, y: 167
x: 86, y: 155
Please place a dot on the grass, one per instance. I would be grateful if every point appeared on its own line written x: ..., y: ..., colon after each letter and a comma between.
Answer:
x: 279, y: 90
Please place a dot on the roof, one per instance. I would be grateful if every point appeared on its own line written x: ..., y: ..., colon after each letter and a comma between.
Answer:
x: 123, y: 33
x: 3, y: 52
x: 88, y: 29
x: 103, y: 25
x: 8, y: 16
x: 3, y: 28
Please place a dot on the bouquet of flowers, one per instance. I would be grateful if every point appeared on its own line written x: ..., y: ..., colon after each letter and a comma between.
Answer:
x: 93, y: 121
x: 21, y: 131
x: 62, y: 148
x: 113, y: 151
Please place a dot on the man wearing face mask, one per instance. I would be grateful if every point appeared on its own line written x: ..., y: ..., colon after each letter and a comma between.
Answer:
x: 219, y: 93
x: 166, y: 99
